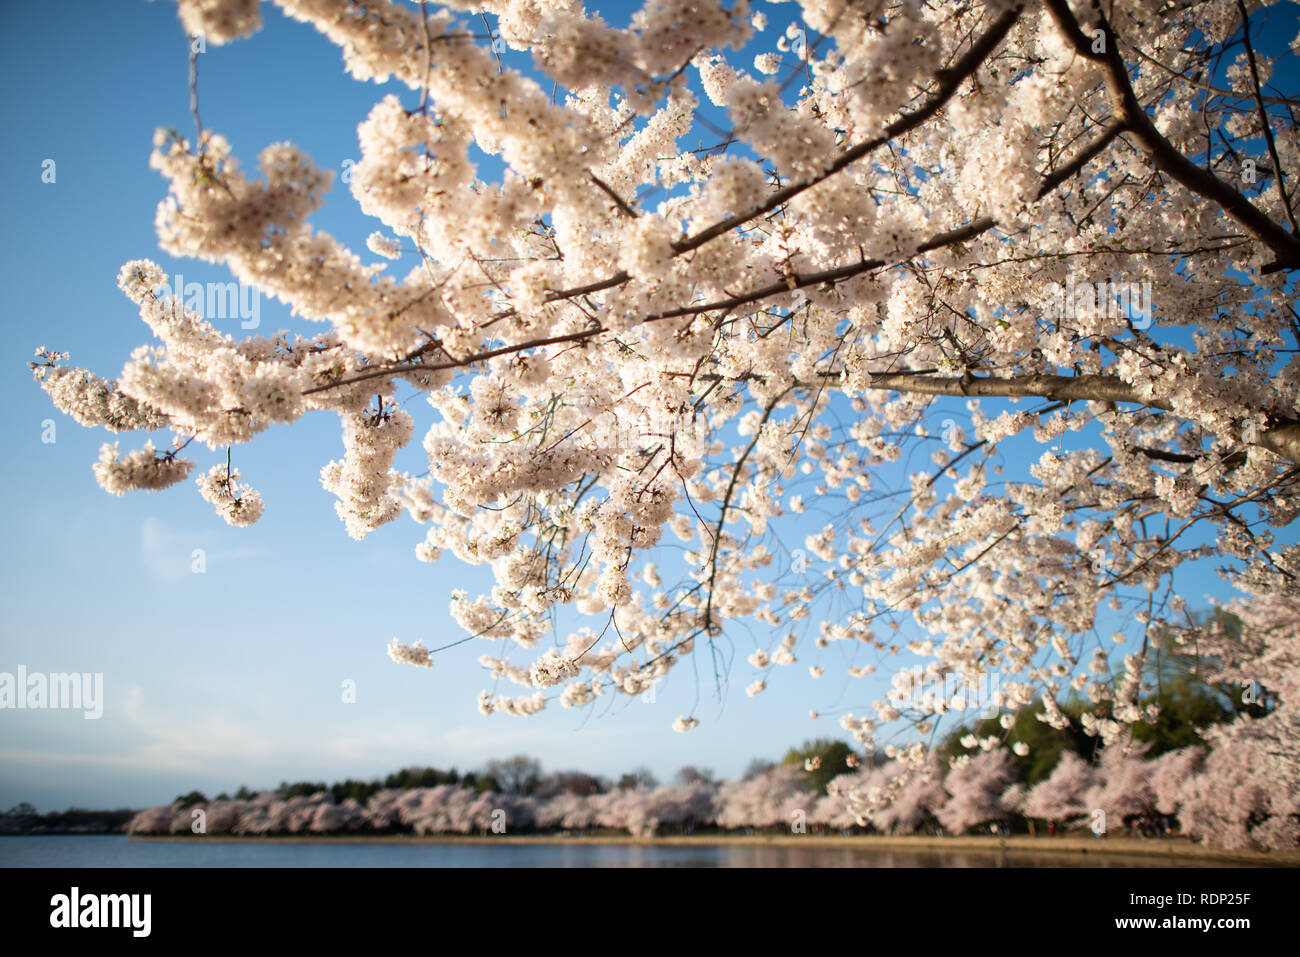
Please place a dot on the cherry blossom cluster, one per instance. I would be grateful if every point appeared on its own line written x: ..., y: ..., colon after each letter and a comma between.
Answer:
x: 659, y: 352
x: 235, y: 502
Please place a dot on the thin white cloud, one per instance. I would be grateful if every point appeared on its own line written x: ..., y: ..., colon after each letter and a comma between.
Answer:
x: 196, y: 748
x: 169, y: 554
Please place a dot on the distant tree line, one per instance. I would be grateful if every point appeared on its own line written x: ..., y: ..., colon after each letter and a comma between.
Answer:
x: 1007, y: 788
x: 26, y: 819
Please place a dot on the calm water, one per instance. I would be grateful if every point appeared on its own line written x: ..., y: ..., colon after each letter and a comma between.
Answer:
x: 120, y: 851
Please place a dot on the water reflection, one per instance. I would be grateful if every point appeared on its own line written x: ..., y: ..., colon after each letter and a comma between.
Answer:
x: 118, y: 851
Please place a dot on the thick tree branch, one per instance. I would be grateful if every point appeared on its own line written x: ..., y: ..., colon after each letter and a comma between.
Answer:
x: 1282, y: 437
x: 1279, y: 180
x: 1163, y: 154
x: 782, y: 286
x: 950, y: 80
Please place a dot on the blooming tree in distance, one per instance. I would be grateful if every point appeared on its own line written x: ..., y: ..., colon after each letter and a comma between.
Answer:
x: 1004, y: 288
x: 1060, y: 796
x: 1122, y: 784
x: 976, y: 785
x: 1248, y: 790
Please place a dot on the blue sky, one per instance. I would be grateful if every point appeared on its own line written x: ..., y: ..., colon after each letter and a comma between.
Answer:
x: 234, y: 676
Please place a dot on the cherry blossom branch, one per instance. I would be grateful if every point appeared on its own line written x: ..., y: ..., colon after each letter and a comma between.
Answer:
x: 1282, y: 438
x: 1265, y: 124
x: 949, y: 81
x: 1124, y: 102
x: 786, y: 284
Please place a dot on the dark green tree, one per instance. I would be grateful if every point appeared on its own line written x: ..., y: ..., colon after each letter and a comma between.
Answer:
x: 829, y: 757
x: 300, y: 789
x: 1045, y: 742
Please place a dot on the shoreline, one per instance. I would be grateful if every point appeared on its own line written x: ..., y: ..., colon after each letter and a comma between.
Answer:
x: 1179, y: 851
